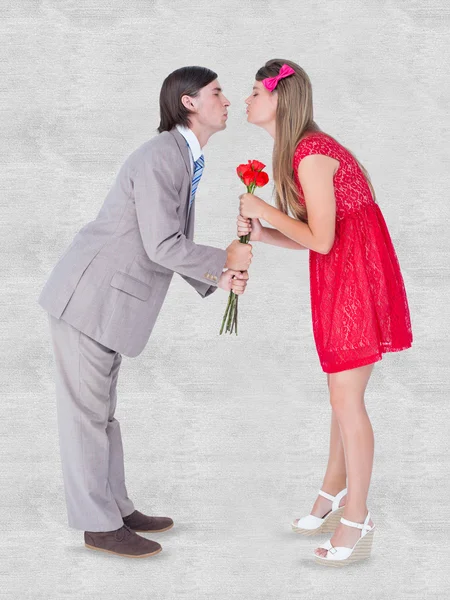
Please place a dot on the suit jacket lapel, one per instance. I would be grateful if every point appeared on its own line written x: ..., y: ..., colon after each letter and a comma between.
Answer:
x: 183, y: 149
x: 181, y: 141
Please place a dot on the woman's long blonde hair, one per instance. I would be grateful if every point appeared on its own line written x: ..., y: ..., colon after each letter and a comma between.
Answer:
x: 294, y: 119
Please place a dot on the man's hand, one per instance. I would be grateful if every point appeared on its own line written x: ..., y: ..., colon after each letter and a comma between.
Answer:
x: 239, y: 256
x: 234, y: 281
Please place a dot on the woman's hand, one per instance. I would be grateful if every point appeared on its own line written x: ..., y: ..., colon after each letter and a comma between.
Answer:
x: 251, y: 206
x: 249, y: 226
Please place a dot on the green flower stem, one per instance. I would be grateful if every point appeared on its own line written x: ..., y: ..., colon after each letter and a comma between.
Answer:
x: 226, y: 313
x: 233, y: 318
x: 230, y: 313
x: 234, y: 322
x: 230, y: 318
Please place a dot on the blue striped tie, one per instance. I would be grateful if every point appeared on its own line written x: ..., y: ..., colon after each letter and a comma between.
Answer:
x: 198, y: 170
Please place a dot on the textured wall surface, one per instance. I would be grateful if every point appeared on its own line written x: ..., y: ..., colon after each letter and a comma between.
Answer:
x: 227, y: 435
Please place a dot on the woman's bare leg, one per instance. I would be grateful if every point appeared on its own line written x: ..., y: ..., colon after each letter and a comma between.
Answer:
x: 347, y: 390
x: 335, y: 476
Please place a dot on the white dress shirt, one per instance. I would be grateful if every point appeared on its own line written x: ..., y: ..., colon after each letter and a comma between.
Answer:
x: 194, y: 144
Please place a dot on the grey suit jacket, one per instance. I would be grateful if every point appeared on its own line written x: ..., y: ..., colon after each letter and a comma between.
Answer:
x: 112, y: 280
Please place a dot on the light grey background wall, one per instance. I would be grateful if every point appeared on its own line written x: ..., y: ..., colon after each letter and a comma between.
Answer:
x: 229, y: 436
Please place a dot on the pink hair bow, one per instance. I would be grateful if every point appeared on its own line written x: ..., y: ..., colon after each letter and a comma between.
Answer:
x: 271, y: 82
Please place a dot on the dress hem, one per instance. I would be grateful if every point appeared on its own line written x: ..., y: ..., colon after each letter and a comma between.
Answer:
x: 354, y: 364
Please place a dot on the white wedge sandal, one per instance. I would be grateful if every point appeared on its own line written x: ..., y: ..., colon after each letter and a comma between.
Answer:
x: 311, y: 525
x: 341, y: 555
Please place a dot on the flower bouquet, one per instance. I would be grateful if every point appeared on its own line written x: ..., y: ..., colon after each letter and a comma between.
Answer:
x: 253, y: 176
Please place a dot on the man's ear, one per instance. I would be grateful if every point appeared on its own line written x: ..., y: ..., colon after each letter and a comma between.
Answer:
x: 187, y: 102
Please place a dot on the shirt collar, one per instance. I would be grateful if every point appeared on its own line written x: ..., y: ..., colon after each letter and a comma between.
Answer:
x: 192, y: 140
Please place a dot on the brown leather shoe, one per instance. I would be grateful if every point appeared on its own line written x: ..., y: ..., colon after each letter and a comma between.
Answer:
x: 140, y: 522
x: 122, y: 541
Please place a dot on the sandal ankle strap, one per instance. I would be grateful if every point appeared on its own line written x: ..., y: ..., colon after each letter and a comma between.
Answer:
x: 365, y: 527
x: 334, y: 499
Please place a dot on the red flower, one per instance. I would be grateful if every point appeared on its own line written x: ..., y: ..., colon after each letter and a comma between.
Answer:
x: 241, y: 169
x: 256, y: 165
x: 261, y: 179
x: 249, y: 177
x: 252, y: 174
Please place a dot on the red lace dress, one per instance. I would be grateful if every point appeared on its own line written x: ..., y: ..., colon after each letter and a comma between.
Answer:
x: 358, y: 299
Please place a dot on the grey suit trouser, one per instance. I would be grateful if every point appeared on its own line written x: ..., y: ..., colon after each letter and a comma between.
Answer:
x: 89, y: 436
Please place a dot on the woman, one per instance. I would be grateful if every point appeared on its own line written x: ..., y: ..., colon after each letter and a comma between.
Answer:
x: 358, y: 300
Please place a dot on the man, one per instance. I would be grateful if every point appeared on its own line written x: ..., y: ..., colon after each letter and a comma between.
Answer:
x: 105, y: 293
